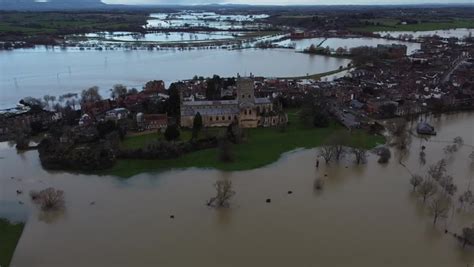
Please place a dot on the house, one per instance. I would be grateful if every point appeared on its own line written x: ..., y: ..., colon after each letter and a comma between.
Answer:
x: 117, y: 114
x: 425, y: 129
x: 392, y: 51
x: 150, y: 122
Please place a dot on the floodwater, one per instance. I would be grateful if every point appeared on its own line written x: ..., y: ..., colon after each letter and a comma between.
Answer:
x: 347, y: 43
x: 205, y: 19
x: 164, y: 36
x: 37, y: 72
x: 365, y: 215
x: 458, y: 33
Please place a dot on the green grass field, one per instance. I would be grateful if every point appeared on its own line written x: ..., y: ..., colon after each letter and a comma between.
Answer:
x: 392, y: 25
x: 262, y: 147
x: 9, y: 235
x: 45, y: 23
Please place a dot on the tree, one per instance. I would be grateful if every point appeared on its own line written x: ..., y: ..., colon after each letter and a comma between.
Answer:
x: 439, y: 208
x: 32, y: 102
x: 172, y: 132
x: 427, y: 189
x: 91, y: 95
x: 466, y: 197
x: 225, y: 152
x: 320, y: 119
x: 197, y: 125
x: 49, y: 198
x: 224, y: 193
x: 338, y: 142
x: 327, y: 152
x: 388, y: 110
x: 415, y: 181
x: 468, y: 236
x: 174, y: 101
x: 118, y: 90
x: 437, y: 170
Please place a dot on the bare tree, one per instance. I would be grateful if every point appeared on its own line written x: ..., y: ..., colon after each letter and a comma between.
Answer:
x: 399, y: 133
x: 439, y: 208
x: 458, y: 141
x: 427, y: 189
x: 327, y: 152
x: 338, y: 142
x: 49, y: 198
x: 446, y: 182
x: 468, y: 236
x: 224, y: 193
x: 360, y: 155
x: 466, y: 198
x: 450, y: 149
x: 415, y: 181
x: 437, y: 170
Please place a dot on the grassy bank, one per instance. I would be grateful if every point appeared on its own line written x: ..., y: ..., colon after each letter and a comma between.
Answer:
x: 393, y: 25
x: 46, y: 23
x: 262, y: 147
x: 9, y: 235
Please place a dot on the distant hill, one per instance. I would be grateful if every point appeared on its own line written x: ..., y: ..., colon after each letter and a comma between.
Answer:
x: 49, y: 4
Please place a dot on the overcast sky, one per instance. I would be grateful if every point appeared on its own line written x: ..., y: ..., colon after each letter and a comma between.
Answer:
x: 286, y: 2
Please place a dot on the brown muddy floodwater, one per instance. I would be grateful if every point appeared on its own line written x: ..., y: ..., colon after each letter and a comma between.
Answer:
x: 365, y: 216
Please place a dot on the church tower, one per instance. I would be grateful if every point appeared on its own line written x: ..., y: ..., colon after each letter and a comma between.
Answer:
x: 245, y: 92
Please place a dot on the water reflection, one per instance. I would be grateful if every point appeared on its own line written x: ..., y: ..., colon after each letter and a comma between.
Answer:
x: 363, y: 214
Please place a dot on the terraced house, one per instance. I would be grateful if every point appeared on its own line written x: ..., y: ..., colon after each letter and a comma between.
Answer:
x: 248, y: 110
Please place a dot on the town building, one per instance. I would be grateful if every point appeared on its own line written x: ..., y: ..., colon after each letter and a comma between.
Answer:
x: 149, y: 122
x: 248, y: 110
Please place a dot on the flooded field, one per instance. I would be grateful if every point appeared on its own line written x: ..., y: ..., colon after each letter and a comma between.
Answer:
x: 36, y: 72
x: 458, y: 33
x: 205, y: 19
x: 365, y: 215
x: 346, y: 43
x: 163, y: 37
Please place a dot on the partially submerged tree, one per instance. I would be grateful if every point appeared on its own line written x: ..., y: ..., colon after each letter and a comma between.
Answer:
x: 224, y: 193
x: 427, y: 189
x: 466, y: 198
x: 327, y: 152
x: 468, y: 236
x: 439, y: 208
x: 437, y: 170
x: 49, y: 198
x: 360, y: 155
x: 415, y: 181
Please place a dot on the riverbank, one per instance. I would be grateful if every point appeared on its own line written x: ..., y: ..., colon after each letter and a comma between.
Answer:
x: 10, y: 233
x: 262, y: 147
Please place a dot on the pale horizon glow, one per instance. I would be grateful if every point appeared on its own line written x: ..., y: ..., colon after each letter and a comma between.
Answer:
x: 285, y: 2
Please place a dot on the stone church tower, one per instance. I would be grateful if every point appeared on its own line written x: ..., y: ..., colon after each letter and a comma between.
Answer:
x: 246, y: 101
